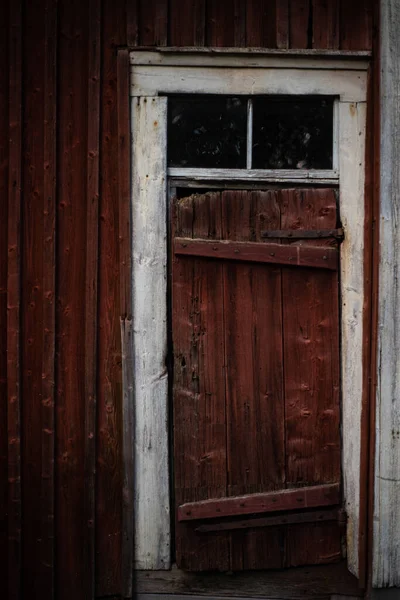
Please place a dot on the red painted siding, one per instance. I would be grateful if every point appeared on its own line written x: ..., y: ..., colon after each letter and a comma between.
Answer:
x: 61, y: 288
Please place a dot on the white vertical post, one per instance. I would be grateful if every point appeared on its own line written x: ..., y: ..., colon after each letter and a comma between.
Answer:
x: 149, y: 251
x: 352, y: 125
x: 386, y: 532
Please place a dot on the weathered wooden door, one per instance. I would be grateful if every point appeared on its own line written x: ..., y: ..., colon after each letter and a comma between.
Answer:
x: 256, y: 387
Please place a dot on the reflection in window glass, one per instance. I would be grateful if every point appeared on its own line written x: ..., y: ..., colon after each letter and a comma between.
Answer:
x: 292, y: 133
x: 207, y: 131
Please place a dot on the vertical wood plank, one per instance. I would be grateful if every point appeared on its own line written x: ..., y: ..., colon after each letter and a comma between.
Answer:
x: 374, y: 154
x: 187, y: 23
x: 311, y: 351
x: 152, y: 521
x: 226, y: 23
x: 352, y: 180
x: 71, y: 297
x: 356, y: 25
x: 153, y: 22
x: 125, y: 275
x: 386, y: 524
x: 13, y: 303
x: 254, y: 378
x: 282, y: 24
x: 32, y: 299
x: 261, y: 23
x: 299, y: 11
x: 312, y: 379
x: 49, y: 292
x: 91, y: 290
x: 109, y: 480
x: 369, y: 317
x: 325, y: 33
x: 313, y: 543
x: 132, y: 23
x: 199, y: 386
x: 4, y: 143
x: 253, y: 354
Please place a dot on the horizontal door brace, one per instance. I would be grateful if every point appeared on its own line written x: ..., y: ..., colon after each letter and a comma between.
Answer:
x: 303, y: 234
x: 293, y: 255
x: 267, y: 502
x: 314, y: 516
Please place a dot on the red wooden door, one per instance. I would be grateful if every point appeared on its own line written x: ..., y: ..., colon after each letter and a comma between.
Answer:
x: 255, y: 330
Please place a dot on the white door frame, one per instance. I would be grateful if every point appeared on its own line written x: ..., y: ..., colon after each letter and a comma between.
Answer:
x: 153, y: 75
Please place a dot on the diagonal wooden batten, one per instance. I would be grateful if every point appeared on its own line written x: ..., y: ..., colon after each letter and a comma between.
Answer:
x: 294, y: 255
x: 307, y: 497
x: 313, y: 516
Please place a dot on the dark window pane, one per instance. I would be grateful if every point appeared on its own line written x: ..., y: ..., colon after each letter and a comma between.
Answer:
x: 292, y: 133
x: 207, y: 131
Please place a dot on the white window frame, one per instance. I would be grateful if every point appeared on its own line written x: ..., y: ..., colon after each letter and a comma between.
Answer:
x: 154, y: 75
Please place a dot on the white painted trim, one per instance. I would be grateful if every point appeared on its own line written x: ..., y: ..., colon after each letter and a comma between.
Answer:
x: 386, y: 522
x: 297, y: 175
x: 352, y: 128
x: 243, y: 58
x: 335, y: 149
x: 158, y: 80
x: 350, y: 122
x: 149, y: 251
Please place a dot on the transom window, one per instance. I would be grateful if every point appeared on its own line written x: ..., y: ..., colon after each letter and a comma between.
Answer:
x: 259, y: 132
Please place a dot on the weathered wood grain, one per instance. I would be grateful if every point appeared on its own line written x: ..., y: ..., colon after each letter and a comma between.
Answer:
x: 371, y: 283
x: 254, y: 382
x: 91, y: 293
x: 71, y: 290
x: 4, y: 158
x: 109, y: 476
x: 254, y: 57
x: 49, y: 299
x: 13, y: 301
x: 352, y: 155
x: 286, y: 519
x: 386, y: 556
x: 307, y: 497
x: 318, y: 582
x: 32, y: 295
x: 267, y: 253
x: 152, y: 526
x: 260, y: 23
x: 356, y: 24
x: 311, y: 350
x: 128, y: 375
x: 149, y: 80
x: 125, y: 276
x: 325, y: 31
x: 225, y: 23
x: 132, y: 23
x: 199, y: 385
x: 282, y: 24
x: 153, y: 22
x: 186, y: 21
x: 299, y: 19
x: 298, y: 176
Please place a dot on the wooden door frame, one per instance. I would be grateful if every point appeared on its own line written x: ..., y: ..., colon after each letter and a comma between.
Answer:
x: 170, y: 71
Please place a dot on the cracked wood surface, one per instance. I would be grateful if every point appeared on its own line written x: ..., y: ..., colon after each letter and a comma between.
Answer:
x: 256, y: 379
x: 386, y: 535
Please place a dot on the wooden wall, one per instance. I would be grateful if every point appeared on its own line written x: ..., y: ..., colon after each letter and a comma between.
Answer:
x: 62, y: 260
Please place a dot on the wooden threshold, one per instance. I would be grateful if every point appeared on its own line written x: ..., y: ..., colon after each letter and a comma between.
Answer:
x: 296, y: 256
x: 320, y: 582
x: 295, y: 499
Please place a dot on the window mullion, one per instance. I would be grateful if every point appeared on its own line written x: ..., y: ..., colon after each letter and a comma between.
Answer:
x: 249, y: 156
